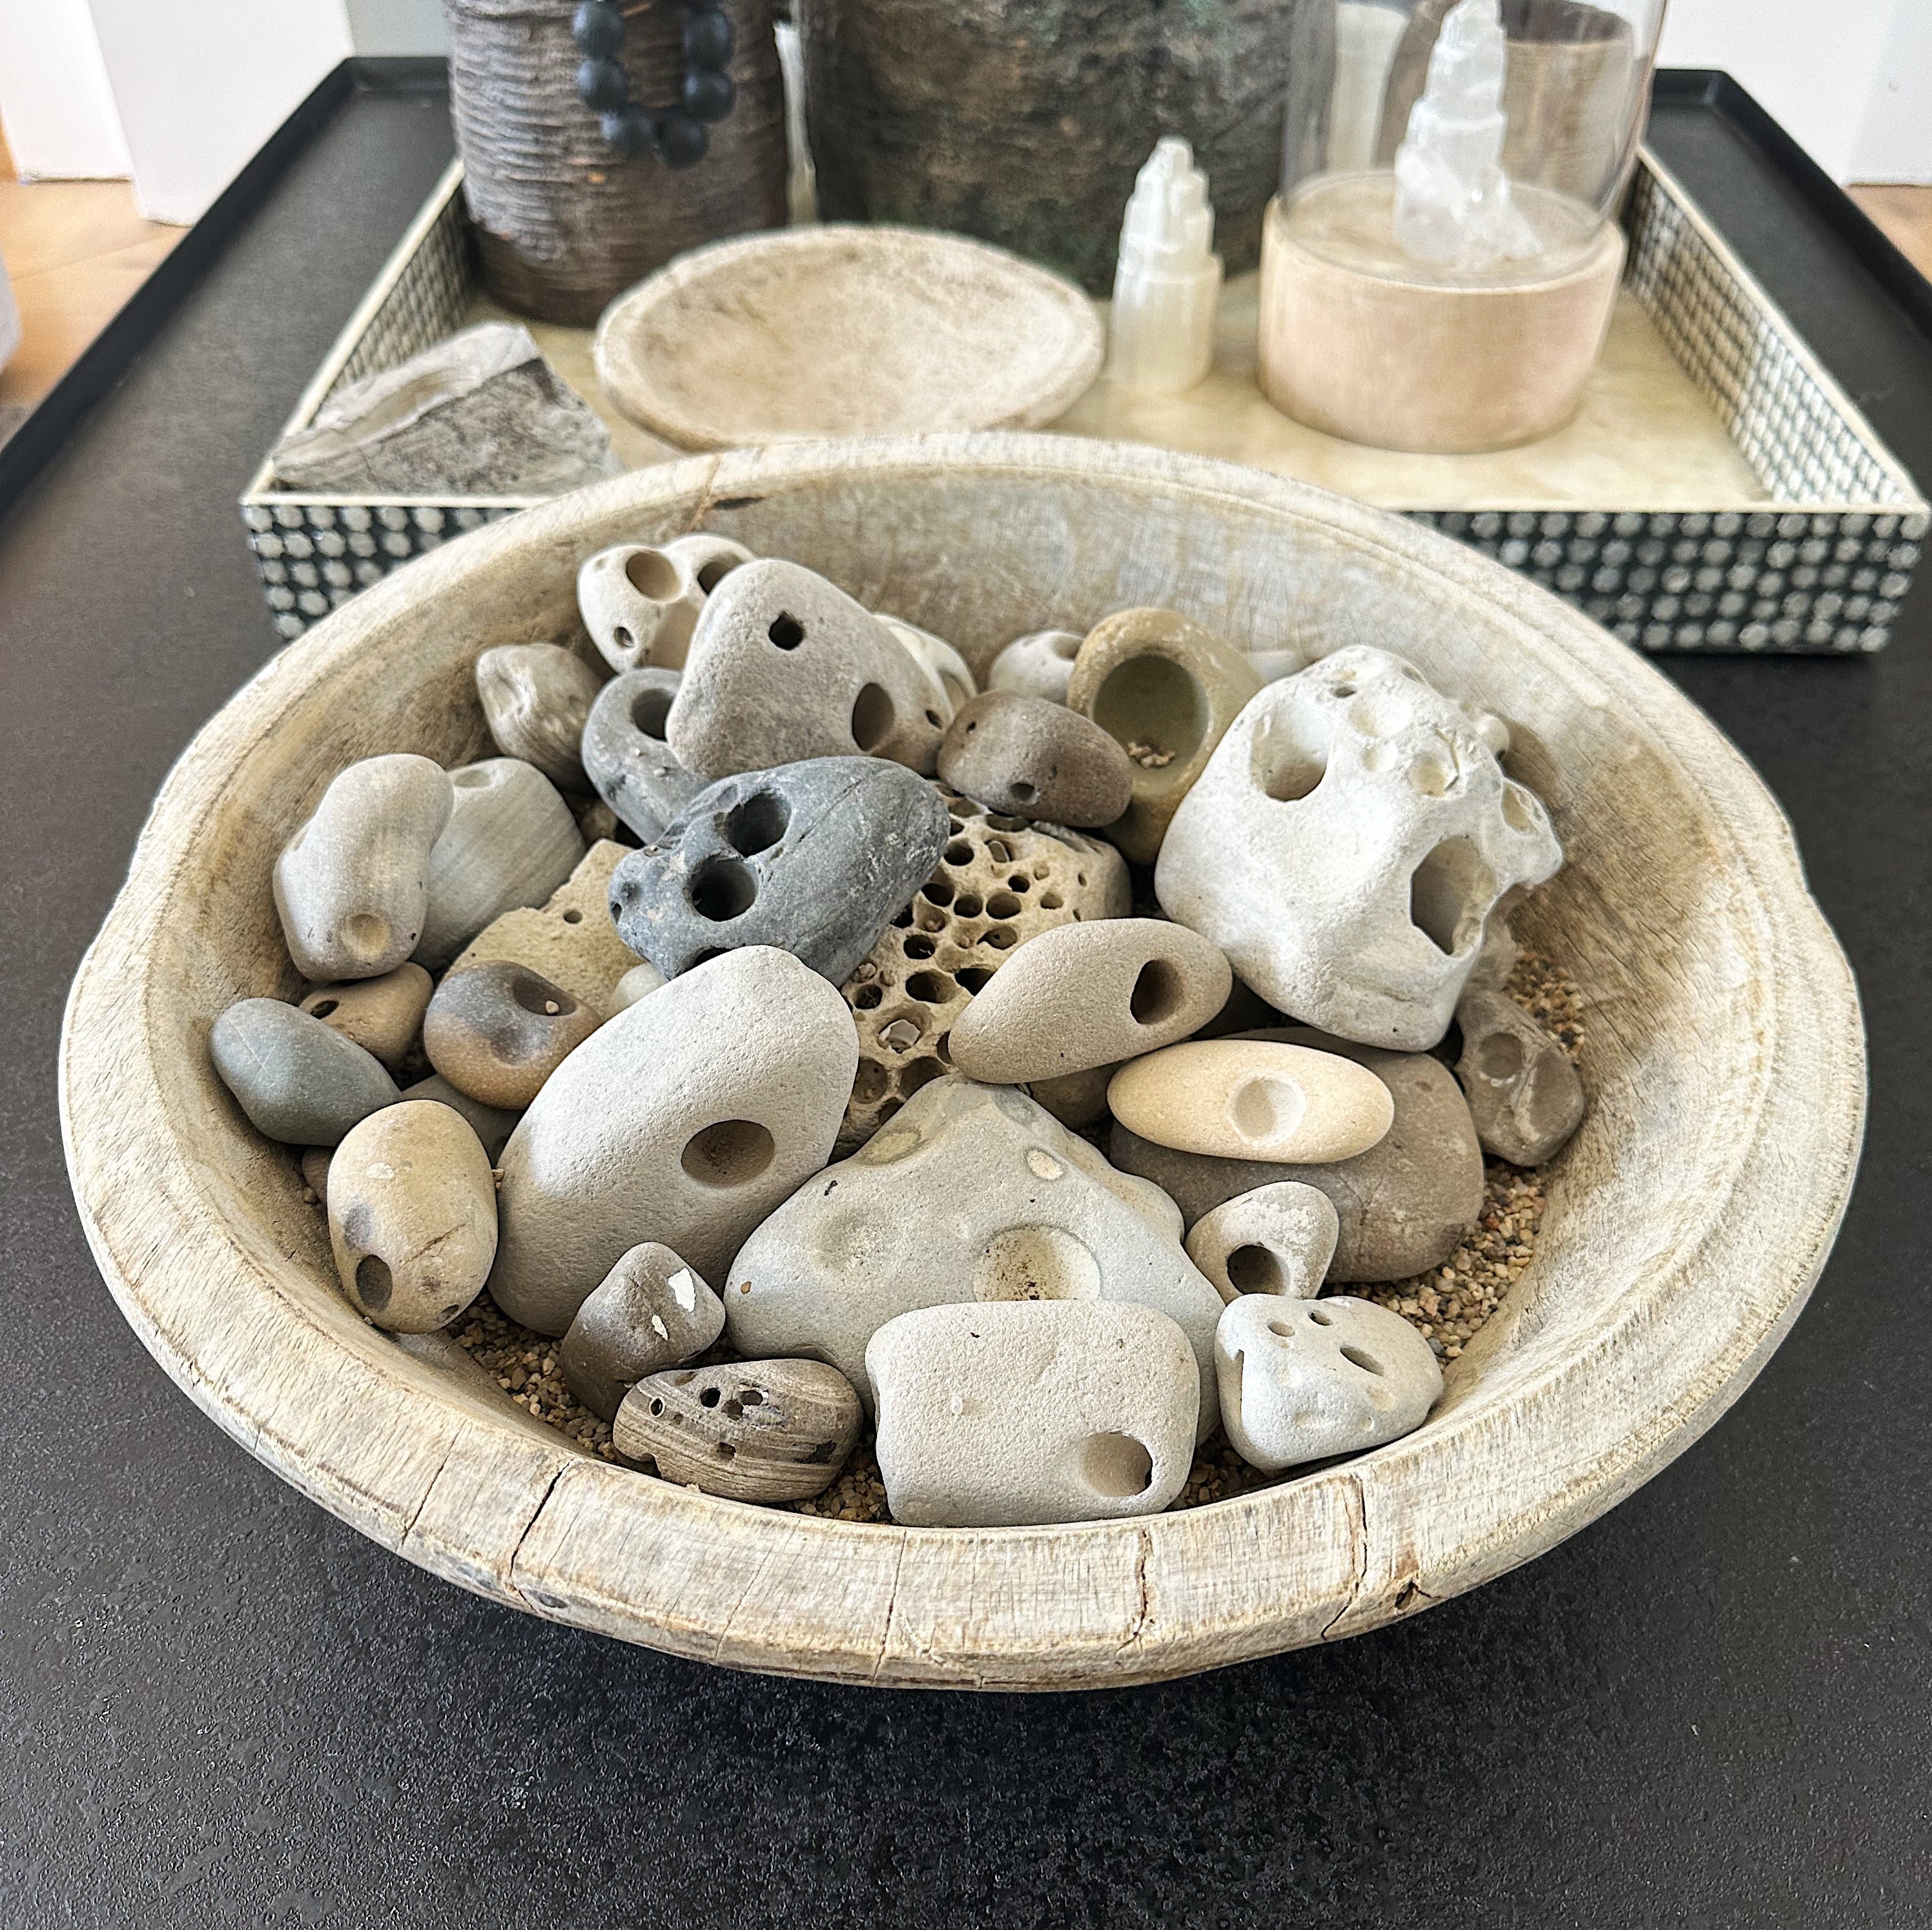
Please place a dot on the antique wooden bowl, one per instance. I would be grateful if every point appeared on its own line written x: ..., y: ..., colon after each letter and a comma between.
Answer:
x: 1686, y: 1224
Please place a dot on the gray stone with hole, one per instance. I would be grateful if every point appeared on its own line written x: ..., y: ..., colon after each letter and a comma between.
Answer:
x: 1035, y: 759
x: 1278, y: 1239
x: 1524, y: 1094
x: 1302, y: 1380
x: 1018, y: 1414
x: 626, y: 757
x: 784, y: 666
x: 650, y: 1311
x: 1083, y: 995
x: 299, y: 1080
x: 816, y: 858
x: 686, y: 1119
x: 967, y: 1193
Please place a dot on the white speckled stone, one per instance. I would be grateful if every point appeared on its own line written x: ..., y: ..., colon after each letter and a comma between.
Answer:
x: 1304, y: 1380
x: 649, y: 1311
x: 1014, y: 1414
x: 1278, y: 1239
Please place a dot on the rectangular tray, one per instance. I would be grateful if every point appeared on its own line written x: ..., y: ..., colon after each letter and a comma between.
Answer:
x: 1719, y: 490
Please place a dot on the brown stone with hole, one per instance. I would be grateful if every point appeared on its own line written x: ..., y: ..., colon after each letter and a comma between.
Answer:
x: 784, y: 665
x: 1524, y: 1094
x: 1166, y: 690
x: 498, y: 1031
x: 1086, y: 995
x: 686, y: 1119
x: 383, y: 1016
x: 640, y: 602
x: 753, y: 1431
x: 649, y: 1312
x: 1037, y: 759
x: 536, y: 698
x: 412, y: 1216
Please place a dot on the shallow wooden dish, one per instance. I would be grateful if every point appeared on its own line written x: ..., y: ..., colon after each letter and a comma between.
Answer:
x: 1686, y: 1225
x: 839, y: 331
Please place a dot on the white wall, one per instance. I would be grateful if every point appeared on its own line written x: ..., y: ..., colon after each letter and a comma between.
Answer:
x: 201, y: 86
x: 397, y: 26
x: 1852, y: 80
x: 55, y: 100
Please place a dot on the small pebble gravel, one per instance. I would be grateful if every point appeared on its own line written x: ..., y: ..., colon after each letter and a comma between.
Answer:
x: 1447, y: 1306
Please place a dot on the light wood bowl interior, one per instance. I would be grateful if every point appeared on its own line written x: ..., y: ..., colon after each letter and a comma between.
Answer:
x: 1686, y: 1223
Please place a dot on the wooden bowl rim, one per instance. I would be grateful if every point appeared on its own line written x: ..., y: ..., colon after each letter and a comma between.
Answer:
x: 629, y: 377
x: 506, y: 1507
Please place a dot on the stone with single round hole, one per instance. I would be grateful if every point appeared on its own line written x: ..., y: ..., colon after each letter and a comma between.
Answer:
x: 640, y: 602
x: 785, y: 666
x: 967, y: 1193
x: 751, y: 1431
x: 299, y: 1079
x: 815, y: 857
x: 1033, y: 758
x: 626, y: 755
x: 497, y: 1032
x: 1347, y: 843
x: 511, y: 842
x: 1524, y: 1094
x: 412, y: 1216
x: 1013, y: 1414
x: 1277, y: 1239
x: 1036, y: 665
x: 1303, y: 1380
x: 1166, y: 689
x: 650, y: 1311
x: 535, y: 698
x: 351, y: 886
x: 686, y: 1119
x: 1251, y: 1099
x: 383, y: 1016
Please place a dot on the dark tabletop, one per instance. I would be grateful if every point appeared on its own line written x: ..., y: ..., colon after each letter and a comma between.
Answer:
x: 220, y: 1705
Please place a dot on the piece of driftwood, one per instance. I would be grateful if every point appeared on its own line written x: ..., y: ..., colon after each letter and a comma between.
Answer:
x: 563, y: 222
x: 1686, y: 1220
x: 1025, y: 121
x: 843, y: 331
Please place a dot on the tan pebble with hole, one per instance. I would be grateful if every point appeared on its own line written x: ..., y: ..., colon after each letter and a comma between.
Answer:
x: 1249, y: 1099
x: 412, y: 1216
x: 383, y: 1016
x: 752, y: 1430
x: 497, y: 1032
x: 1010, y: 1414
x: 569, y: 939
x: 1084, y: 995
x: 686, y: 1119
x: 1000, y: 882
x: 1302, y: 1380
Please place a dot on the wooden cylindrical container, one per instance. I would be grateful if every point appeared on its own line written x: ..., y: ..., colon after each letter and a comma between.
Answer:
x: 1025, y: 121
x: 563, y: 223
x: 1402, y: 364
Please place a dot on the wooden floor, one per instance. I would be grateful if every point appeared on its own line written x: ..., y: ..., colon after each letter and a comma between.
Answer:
x: 75, y: 251
x: 1905, y: 213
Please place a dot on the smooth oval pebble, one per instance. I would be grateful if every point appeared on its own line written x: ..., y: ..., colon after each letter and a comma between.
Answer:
x: 1278, y: 1239
x: 649, y: 1312
x: 814, y: 858
x: 511, y: 841
x: 1166, y: 690
x: 1034, y: 758
x: 626, y: 757
x: 1524, y: 1094
x: 297, y: 1079
x: 640, y: 602
x: 753, y: 1430
x: 1248, y: 1098
x: 1083, y: 995
x: 1038, y: 665
x: 1302, y: 1380
x: 1017, y: 1413
x: 383, y: 1016
x: 640, y: 981
x: 498, y: 1031
x: 785, y: 666
x: 535, y: 698
x: 411, y: 1217
x: 351, y: 886
x: 492, y: 1124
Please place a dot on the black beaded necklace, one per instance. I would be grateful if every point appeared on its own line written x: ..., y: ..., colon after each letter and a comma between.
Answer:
x: 678, y: 135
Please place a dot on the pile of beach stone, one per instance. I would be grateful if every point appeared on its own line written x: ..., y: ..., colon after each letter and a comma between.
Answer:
x: 755, y: 1021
